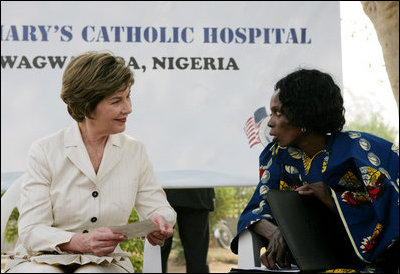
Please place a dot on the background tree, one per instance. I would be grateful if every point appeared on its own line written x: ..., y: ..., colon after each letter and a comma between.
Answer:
x: 374, y: 124
x: 384, y: 15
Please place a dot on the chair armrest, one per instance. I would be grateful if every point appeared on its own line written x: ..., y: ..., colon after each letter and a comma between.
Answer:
x: 249, y: 247
x: 151, y: 258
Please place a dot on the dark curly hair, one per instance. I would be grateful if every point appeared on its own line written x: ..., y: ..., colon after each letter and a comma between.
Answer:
x: 311, y: 100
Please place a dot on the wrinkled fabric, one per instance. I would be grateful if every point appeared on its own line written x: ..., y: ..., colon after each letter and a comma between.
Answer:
x: 363, y: 172
x: 80, y: 259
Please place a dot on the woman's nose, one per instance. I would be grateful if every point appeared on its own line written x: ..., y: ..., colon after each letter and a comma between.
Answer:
x: 128, y: 107
x: 270, y: 122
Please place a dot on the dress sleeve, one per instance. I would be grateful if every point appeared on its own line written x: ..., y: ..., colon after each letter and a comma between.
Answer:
x: 36, y: 218
x: 367, y: 197
x: 151, y: 197
x: 257, y: 208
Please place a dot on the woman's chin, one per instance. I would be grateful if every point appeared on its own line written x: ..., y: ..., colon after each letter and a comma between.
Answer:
x: 118, y: 129
x: 281, y: 144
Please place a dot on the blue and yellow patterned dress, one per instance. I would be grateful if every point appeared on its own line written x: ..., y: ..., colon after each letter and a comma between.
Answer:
x: 363, y: 172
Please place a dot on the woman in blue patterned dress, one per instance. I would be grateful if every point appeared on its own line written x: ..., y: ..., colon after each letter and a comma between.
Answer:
x: 355, y: 174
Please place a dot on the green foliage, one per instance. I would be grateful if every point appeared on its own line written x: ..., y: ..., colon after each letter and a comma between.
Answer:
x: 374, y: 125
x: 230, y: 202
x: 11, y: 232
x: 134, y: 247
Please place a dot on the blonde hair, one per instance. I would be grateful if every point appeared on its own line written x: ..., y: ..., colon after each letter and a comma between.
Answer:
x: 89, y: 78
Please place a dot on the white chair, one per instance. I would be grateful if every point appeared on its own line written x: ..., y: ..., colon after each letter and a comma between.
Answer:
x: 151, y: 258
x: 250, y: 244
x: 9, y: 201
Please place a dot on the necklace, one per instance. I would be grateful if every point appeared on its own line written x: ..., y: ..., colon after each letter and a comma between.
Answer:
x: 307, y: 160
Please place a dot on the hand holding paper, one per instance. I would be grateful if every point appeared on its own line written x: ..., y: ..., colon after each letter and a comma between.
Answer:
x: 157, y: 229
x: 138, y: 229
x: 165, y: 230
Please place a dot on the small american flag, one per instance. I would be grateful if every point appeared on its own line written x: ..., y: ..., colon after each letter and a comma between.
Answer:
x: 253, y: 124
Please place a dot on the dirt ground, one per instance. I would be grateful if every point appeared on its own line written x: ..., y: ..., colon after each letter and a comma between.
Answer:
x: 215, y: 267
x: 220, y: 260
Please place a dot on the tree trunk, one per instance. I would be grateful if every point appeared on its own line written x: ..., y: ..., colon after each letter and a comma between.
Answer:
x: 384, y: 15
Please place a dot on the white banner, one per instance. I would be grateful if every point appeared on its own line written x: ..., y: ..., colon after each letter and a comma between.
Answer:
x: 201, y: 70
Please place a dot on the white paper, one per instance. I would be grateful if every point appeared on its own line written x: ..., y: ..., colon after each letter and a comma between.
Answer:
x: 138, y: 229
x: 294, y: 268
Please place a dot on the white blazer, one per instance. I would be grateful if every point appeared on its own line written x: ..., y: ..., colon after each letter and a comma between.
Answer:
x: 61, y: 194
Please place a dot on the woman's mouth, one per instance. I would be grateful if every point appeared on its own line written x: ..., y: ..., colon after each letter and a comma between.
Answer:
x: 123, y: 120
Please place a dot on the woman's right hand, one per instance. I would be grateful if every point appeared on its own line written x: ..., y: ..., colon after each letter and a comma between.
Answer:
x: 277, y: 252
x: 100, y: 242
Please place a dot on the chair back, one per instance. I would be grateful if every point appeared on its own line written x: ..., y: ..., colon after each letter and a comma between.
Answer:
x: 151, y: 258
x: 9, y: 201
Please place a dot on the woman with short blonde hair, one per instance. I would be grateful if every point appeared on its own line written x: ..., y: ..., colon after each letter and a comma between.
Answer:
x: 88, y: 177
x: 91, y: 77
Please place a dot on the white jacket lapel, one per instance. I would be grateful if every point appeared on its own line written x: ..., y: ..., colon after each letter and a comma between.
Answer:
x: 76, y: 151
x: 111, y: 156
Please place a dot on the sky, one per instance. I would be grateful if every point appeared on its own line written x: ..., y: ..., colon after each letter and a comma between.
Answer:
x: 365, y: 80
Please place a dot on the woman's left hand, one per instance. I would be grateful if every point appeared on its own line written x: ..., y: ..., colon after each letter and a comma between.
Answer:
x: 166, y: 230
x: 319, y: 190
